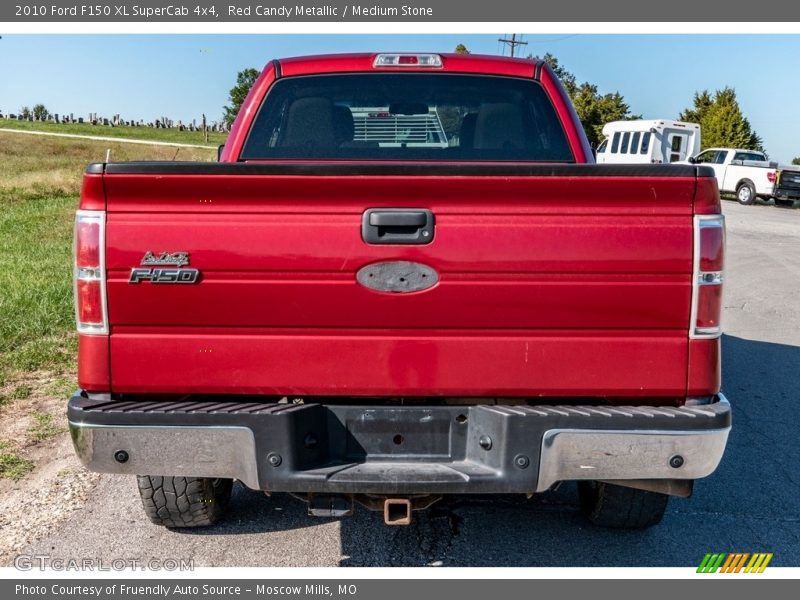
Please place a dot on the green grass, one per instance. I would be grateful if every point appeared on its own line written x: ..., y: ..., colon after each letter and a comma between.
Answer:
x: 21, y: 392
x: 61, y: 387
x: 43, y: 427
x: 36, y: 281
x: 133, y: 133
x: 11, y: 465
x: 39, y: 184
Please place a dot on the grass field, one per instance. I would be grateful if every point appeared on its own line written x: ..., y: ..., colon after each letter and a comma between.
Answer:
x: 134, y: 133
x: 39, y: 184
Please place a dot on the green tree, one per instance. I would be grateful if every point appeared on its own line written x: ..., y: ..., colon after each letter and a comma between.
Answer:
x: 594, y: 109
x: 461, y: 49
x: 25, y: 111
x: 796, y: 161
x: 244, y: 81
x: 722, y: 123
x: 40, y: 112
x: 702, y: 103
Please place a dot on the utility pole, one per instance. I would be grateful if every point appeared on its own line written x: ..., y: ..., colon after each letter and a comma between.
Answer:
x: 513, y: 43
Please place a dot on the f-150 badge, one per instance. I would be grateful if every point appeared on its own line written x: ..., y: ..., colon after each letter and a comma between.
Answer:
x: 178, y: 274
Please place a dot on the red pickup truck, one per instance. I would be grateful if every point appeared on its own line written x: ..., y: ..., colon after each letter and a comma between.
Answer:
x: 404, y: 278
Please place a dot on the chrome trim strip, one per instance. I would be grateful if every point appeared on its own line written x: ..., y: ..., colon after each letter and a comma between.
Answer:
x: 99, y: 273
x: 206, y: 451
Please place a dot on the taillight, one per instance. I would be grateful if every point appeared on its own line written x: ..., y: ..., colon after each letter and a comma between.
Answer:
x: 772, y: 176
x: 707, y: 276
x: 91, y: 313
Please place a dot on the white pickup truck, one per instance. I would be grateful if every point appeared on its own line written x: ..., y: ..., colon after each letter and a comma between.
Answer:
x: 747, y: 173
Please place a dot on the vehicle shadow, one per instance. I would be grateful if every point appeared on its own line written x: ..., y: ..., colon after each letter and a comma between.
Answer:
x: 748, y: 504
x: 251, y: 511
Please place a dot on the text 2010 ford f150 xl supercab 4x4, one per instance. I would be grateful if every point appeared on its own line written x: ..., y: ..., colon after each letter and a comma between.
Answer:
x: 404, y: 279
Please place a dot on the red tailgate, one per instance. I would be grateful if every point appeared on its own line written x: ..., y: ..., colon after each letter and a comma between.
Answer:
x: 559, y: 284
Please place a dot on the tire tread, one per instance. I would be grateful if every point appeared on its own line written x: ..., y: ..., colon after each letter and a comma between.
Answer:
x: 183, y: 501
x: 619, y: 507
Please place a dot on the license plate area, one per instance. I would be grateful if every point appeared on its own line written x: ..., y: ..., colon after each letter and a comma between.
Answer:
x: 404, y: 433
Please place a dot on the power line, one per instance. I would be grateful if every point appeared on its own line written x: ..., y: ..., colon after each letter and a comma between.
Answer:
x: 512, y: 43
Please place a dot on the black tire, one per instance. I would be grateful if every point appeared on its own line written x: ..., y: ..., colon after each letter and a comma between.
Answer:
x: 746, y: 193
x: 607, y: 505
x: 184, y: 501
x: 785, y: 203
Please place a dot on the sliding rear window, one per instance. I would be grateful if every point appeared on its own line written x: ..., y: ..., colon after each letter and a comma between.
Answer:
x: 407, y: 116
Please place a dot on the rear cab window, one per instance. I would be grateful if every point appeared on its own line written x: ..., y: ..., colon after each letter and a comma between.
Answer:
x: 750, y: 156
x: 408, y: 116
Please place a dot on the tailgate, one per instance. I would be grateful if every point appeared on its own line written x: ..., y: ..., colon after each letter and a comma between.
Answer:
x: 552, y: 281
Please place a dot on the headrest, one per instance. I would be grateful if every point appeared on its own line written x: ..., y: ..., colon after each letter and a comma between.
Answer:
x: 466, y: 135
x: 309, y: 123
x: 343, y: 126
x: 499, y: 126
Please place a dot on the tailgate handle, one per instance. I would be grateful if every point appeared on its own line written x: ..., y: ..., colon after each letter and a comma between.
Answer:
x: 397, y: 226
x: 414, y: 219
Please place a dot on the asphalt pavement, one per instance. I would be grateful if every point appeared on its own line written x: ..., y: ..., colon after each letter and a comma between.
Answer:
x: 750, y: 504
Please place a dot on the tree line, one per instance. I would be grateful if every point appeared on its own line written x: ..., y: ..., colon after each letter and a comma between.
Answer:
x: 722, y: 123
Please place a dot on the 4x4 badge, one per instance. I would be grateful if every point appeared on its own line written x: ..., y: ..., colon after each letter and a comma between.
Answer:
x: 164, y: 275
x: 179, y: 259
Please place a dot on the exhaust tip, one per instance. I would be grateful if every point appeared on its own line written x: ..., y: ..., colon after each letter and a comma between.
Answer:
x: 397, y: 511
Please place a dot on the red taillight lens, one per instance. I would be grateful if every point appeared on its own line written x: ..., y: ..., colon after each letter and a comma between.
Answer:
x: 709, y: 307
x: 772, y: 176
x: 712, y: 248
x: 707, y: 276
x: 87, y: 244
x: 88, y: 302
x: 90, y: 277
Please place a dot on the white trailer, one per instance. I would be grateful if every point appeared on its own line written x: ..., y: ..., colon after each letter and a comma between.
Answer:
x: 648, y: 141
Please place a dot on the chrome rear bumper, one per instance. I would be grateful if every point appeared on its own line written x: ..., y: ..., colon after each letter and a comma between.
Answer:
x: 399, y: 450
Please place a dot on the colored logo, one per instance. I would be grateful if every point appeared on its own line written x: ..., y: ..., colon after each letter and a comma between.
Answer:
x: 735, y: 562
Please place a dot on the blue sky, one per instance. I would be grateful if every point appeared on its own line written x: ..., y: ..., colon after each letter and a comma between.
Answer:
x: 182, y: 76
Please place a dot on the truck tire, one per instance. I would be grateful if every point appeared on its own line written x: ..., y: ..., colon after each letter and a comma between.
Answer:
x: 615, y: 506
x: 784, y: 203
x: 746, y: 193
x: 184, y: 501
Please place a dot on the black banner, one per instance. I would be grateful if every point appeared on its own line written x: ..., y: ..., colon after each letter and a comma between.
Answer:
x: 374, y: 589
x: 408, y: 11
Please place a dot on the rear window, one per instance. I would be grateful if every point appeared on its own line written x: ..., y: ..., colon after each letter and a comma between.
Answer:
x: 409, y: 116
x: 749, y: 156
